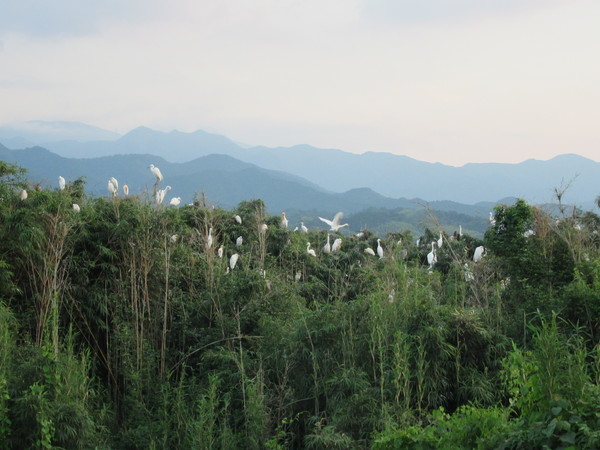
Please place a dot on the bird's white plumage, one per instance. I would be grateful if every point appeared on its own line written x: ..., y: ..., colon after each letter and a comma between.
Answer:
x: 23, y: 194
x: 125, y: 190
x: 238, y: 219
x: 337, y: 244
x: 379, y: 249
x: 431, y: 256
x: 61, y: 183
x: 175, y: 201
x: 334, y: 224
x: 309, y: 250
x: 478, y: 253
x: 76, y: 207
x: 369, y: 251
x: 303, y: 227
x: 233, y: 260
x: 156, y: 172
x: 284, y: 221
x: 239, y: 241
x: 327, y: 246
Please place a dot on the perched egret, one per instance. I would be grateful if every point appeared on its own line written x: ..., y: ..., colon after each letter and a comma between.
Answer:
x: 337, y: 244
x: 160, y: 195
x: 369, y: 251
x: 529, y: 233
x: 61, y: 183
x: 440, y: 241
x: 479, y: 253
x: 233, y: 260
x: 76, y: 207
x: 379, y: 249
x: 334, y: 224
x: 263, y: 228
x: 174, y: 238
x: 238, y: 219
x: 112, y: 188
x: 220, y: 252
x: 284, y: 221
x: 391, y: 295
x: 431, y: 256
x: 303, y: 228
x: 23, y: 195
x: 492, y: 219
x: 239, y: 241
x: 296, y: 229
x: 156, y: 172
x: 327, y: 247
x: 115, y: 183
x: 175, y: 201
x: 209, y: 239
x: 360, y: 235
x: 125, y: 190
x: 309, y: 250
x: 297, y: 276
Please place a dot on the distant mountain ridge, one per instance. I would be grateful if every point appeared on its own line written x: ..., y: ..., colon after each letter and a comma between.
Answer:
x: 391, y: 175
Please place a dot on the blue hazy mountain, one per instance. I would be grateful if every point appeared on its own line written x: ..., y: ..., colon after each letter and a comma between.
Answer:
x: 40, y: 132
x: 391, y: 175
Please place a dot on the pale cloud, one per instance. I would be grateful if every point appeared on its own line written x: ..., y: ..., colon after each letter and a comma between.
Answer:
x: 504, y: 82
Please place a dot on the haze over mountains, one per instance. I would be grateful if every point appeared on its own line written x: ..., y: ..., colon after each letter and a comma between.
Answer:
x: 301, y: 177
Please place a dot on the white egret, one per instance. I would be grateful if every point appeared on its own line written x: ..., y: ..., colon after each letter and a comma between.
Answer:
x: 529, y: 233
x: 479, y: 253
x: 23, y: 195
x: 220, y: 252
x: 209, y: 239
x: 440, y: 241
x: 233, y: 260
x: 112, y: 188
x: 327, y: 247
x: 369, y: 251
x: 115, y: 183
x: 160, y: 195
x: 303, y: 228
x: 492, y: 219
x: 309, y: 250
x: 156, y: 172
x: 360, y: 235
x: 432, y: 256
x: 76, y: 207
x: 337, y: 244
x: 239, y: 241
x: 238, y: 219
x: 175, y: 201
x: 174, y: 238
x: 297, y: 276
x: 334, y: 224
x: 61, y: 183
x: 125, y: 190
x: 284, y: 221
x: 296, y: 229
x: 263, y: 228
x: 379, y: 249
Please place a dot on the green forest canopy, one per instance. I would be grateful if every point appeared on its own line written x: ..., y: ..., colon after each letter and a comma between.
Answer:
x: 120, y: 327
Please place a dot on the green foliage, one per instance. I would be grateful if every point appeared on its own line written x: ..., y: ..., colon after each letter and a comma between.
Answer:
x: 121, y: 327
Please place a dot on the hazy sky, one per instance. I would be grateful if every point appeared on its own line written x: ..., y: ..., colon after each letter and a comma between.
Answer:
x: 453, y: 81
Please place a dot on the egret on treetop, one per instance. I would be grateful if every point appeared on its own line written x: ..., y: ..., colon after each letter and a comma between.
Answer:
x: 160, y: 194
x: 337, y: 244
x: 233, y: 260
x: 175, y: 201
x: 239, y: 241
x: 220, y: 252
x: 309, y: 250
x: 76, y: 207
x: 334, y: 224
x: 112, y: 188
x: 156, y: 172
x: 369, y: 251
x: 440, y: 241
x: 238, y: 219
x: 379, y: 249
x: 61, y: 183
x: 478, y: 254
x: 209, y: 239
x: 431, y: 256
x: 263, y: 228
x: 125, y: 190
x: 23, y: 195
x: 303, y: 228
x: 284, y: 221
x: 327, y: 247
x: 115, y: 183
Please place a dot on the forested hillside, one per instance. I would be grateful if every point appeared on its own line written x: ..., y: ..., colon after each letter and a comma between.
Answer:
x: 122, y: 326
